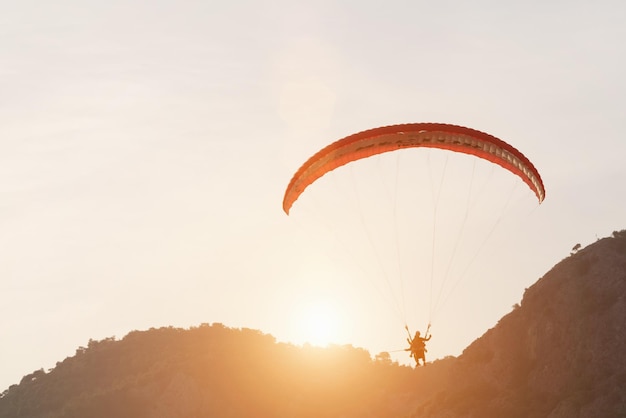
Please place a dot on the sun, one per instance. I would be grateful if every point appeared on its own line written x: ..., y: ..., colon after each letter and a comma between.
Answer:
x: 320, y: 324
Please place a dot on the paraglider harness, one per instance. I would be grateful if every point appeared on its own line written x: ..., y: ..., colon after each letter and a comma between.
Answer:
x: 417, y: 347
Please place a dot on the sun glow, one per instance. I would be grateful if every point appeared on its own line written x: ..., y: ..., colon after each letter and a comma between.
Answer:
x: 320, y: 324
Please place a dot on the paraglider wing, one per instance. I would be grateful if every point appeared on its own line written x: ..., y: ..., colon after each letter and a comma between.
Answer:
x: 430, y: 135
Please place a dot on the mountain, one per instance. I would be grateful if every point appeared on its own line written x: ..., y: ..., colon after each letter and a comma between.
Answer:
x: 213, y: 371
x: 560, y: 353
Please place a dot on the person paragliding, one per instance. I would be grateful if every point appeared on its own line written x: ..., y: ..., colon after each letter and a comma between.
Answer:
x: 396, y: 138
x: 417, y: 346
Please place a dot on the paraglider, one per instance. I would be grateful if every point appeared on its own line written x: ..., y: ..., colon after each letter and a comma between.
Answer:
x: 417, y: 346
x: 446, y: 137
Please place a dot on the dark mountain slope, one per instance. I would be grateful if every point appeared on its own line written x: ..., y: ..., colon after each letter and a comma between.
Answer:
x: 562, y: 353
x: 215, y: 371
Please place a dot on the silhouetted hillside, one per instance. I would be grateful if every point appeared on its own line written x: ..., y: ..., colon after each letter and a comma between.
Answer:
x: 561, y: 353
x: 214, y: 371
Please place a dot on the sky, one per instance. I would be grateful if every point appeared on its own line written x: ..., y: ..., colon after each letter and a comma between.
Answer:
x: 145, y: 147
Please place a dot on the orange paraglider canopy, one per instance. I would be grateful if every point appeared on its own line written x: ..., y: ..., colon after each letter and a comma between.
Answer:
x: 413, y: 135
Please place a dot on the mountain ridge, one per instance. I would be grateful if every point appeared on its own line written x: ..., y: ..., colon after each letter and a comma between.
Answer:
x: 559, y: 353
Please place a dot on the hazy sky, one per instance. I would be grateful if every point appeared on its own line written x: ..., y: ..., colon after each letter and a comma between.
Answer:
x: 145, y: 147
